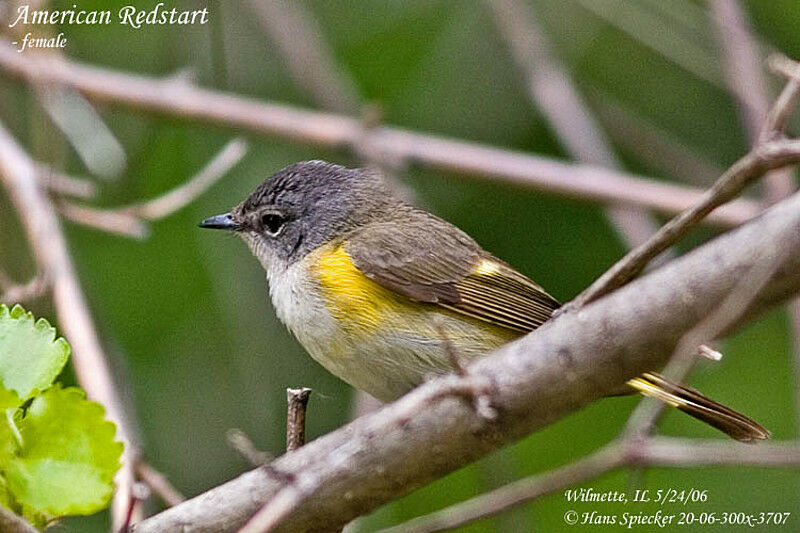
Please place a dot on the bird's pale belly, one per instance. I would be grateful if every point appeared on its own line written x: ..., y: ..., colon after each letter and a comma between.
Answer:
x: 372, y: 338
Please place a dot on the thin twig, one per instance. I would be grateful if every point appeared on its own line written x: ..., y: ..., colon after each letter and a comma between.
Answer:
x: 108, y: 220
x: 181, y: 196
x: 129, y: 220
x: 335, y: 131
x: 139, y: 493
x: 297, y: 400
x: 775, y: 124
x: 11, y: 523
x: 553, y: 92
x: 18, y: 174
x: 308, y: 57
x: 745, y: 79
x: 275, y: 511
x: 654, y: 451
x: 241, y: 443
x: 768, y: 257
x: 64, y: 185
x: 22, y: 293
x: 158, y: 483
x: 761, y: 159
x: 515, y: 493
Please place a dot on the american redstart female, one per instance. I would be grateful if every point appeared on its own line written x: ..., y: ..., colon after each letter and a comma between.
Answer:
x: 377, y: 290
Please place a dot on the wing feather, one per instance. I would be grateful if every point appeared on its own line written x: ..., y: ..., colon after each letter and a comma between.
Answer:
x: 435, y: 262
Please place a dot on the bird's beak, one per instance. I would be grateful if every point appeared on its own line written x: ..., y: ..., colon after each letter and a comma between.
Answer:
x: 224, y: 221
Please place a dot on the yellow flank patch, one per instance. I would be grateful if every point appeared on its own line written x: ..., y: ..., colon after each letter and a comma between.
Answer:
x: 353, y: 299
x: 487, y: 267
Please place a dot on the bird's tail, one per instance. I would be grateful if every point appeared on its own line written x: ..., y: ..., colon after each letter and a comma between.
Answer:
x: 695, y: 404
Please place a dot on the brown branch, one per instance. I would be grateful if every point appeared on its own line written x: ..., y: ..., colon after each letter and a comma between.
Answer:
x: 158, y: 483
x: 552, y: 91
x: 655, y: 451
x: 20, y: 293
x: 11, y: 523
x: 746, y: 80
x: 763, y: 158
x: 108, y: 220
x: 535, y: 381
x: 779, y: 114
x: 18, y: 174
x: 179, y: 197
x: 297, y: 400
x: 334, y: 131
x: 742, y: 66
x: 308, y: 57
x: 63, y: 185
x: 241, y: 443
x: 129, y: 221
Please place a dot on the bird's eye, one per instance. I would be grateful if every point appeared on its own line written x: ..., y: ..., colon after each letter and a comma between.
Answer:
x: 273, y: 223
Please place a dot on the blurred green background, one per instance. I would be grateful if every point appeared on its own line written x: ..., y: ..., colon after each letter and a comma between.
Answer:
x: 185, y: 316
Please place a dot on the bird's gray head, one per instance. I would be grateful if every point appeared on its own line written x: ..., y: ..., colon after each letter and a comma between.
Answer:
x: 303, y: 206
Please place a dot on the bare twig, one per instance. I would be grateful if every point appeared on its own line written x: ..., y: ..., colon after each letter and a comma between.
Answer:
x: 746, y: 80
x: 778, y: 115
x: 655, y: 451
x: 334, y: 131
x: 761, y: 159
x: 552, y: 91
x: 743, y: 72
x: 308, y: 57
x: 688, y: 453
x: 129, y: 220
x: 108, y: 220
x: 158, y: 483
x: 767, y: 257
x: 181, y: 196
x: 515, y: 493
x: 63, y: 185
x: 241, y: 443
x: 139, y: 493
x: 21, y: 293
x: 18, y: 174
x: 11, y: 523
x: 275, y: 510
x: 297, y: 400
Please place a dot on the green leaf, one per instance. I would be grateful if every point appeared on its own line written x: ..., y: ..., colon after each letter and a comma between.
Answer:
x: 30, y: 355
x: 68, y: 459
x: 10, y: 438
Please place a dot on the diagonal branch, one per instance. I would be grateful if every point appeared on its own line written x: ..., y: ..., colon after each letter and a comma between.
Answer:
x: 553, y: 92
x: 335, y: 131
x: 656, y: 451
x: 752, y: 166
x: 18, y: 175
x: 535, y: 381
x: 130, y: 221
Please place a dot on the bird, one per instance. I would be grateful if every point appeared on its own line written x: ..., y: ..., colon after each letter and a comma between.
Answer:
x: 377, y: 290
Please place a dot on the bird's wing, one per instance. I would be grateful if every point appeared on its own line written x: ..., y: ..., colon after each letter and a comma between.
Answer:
x: 434, y: 262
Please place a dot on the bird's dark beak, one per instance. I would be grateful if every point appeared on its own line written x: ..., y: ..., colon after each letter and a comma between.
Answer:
x: 224, y: 221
